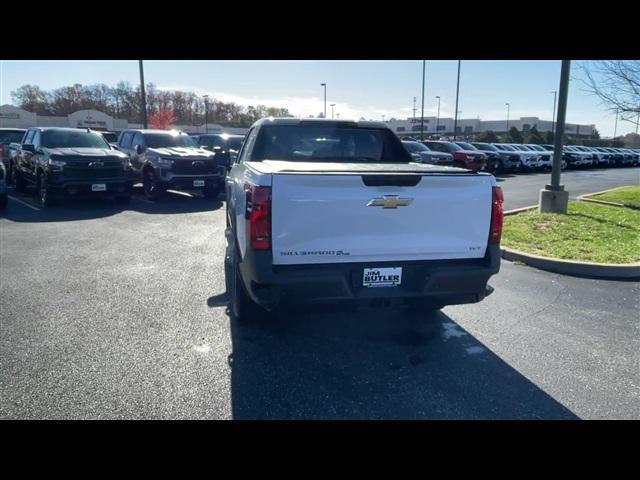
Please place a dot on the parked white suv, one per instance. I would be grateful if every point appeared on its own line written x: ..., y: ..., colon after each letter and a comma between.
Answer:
x: 322, y: 210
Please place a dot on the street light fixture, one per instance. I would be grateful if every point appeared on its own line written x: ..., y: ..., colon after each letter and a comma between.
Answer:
x: 438, y: 118
x: 325, y: 98
x: 206, y: 113
x: 508, y: 108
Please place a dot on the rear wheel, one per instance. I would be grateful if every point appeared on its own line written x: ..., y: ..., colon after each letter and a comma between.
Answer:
x: 241, y: 307
x: 152, y: 188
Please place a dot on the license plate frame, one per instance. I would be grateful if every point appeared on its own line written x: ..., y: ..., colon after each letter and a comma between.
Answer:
x: 376, y: 277
x: 198, y: 183
x: 98, y: 187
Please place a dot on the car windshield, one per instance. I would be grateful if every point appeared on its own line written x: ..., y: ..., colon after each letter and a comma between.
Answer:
x: 168, y: 140
x: 449, y: 147
x: 538, y: 148
x: 416, y: 147
x: 10, y: 136
x: 110, y: 137
x: 235, y: 143
x: 504, y: 147
x: 73, y: 139
x: 485, y: 146
x: 330, y: 142
x: 466, y: 146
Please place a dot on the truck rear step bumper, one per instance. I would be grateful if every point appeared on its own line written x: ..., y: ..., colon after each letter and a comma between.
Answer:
x: 439, y: 282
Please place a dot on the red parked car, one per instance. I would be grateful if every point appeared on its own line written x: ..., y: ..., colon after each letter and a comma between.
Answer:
x: 472, y: 159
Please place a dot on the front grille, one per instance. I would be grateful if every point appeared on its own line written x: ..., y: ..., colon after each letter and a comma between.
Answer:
x: 545, y: 157
x: 73, y: 173
x: 194, y: 167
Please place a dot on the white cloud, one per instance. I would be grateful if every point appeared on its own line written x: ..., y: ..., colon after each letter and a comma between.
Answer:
x: 305, y: 106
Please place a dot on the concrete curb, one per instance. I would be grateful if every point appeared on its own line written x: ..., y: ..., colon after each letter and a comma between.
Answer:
x: 574, y: 267
x: 587, y: 198
x: 571, y: 267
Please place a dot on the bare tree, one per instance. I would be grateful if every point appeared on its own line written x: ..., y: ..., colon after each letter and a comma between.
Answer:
x: 617, y: 84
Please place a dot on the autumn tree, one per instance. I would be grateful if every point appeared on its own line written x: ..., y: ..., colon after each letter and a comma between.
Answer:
x: 162, y: 119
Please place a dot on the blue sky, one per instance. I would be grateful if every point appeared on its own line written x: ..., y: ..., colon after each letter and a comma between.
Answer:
x: 358, y: 88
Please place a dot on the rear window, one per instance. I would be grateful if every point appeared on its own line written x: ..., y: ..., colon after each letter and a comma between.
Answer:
x: 10, y: 136
x: 328, y: 143
x: 72, y: 139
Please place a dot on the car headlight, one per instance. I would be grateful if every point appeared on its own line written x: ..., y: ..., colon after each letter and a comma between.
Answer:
x: 164, y: 162
x: 126, y: 163
x: 56, y: 165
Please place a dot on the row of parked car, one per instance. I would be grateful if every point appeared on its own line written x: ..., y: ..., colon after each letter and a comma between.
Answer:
x: 77, y: 162
x: 503, y: 157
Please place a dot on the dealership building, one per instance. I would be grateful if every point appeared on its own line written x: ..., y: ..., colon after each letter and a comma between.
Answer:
x: 14, y: 117
x: 469, y: 126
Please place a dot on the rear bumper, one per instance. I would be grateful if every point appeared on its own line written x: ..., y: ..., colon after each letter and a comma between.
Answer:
x: 438, y: 282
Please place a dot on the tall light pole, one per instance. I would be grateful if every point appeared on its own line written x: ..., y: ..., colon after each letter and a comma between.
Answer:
x: 438, y: 117
x: 383, y: 117
x: 615, y: 128
x: 414, y: 107
x: 325, y: 98
x: 424, y: 66
x: 455, y: 120
x: 143, y: 95
x: 332, y: 105
x: 553, y: 117
x: 554, y: 198
x: 508, y: 107
x: 206, y: 113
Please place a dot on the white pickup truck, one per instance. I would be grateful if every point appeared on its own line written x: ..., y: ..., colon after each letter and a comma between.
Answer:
x: 321, y: 211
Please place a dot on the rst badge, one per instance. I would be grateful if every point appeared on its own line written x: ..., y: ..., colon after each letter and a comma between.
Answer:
x: 382, y: 277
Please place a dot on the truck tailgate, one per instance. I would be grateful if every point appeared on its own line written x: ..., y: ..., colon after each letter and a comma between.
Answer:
x: 340, y: 218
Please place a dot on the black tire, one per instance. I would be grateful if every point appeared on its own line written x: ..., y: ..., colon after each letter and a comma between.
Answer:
x: 45, y: 195
x: 211, y: 192
x: 3, y: 200
x: 241, y: 307
x: 18, y: 181
x: 499, y: 167
x: 152, y: 189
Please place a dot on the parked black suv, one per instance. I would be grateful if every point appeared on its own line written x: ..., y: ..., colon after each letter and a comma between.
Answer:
x: 164, y: 159
x: 69, y: 161
x: 7, y: 137
x: 228, y: 146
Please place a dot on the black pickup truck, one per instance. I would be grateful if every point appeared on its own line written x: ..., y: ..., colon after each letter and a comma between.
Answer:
x: 69, y: 161
x: 164, y: 159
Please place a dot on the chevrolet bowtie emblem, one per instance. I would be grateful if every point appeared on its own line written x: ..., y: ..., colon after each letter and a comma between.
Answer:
x: 390, y: 201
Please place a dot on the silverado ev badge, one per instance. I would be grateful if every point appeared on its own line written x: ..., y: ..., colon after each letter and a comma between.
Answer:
x: 389, y: 201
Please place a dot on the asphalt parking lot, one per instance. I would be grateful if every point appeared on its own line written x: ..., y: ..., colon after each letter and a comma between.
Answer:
x: 119, y: 311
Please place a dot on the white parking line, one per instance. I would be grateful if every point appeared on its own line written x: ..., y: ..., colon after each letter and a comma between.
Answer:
x: 181, y: 193
x: 24, y: 203
x: 144, y: 200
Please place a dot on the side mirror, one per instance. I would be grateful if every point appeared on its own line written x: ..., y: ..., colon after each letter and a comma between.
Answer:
x: 28, y: 147
x: 139, y: 149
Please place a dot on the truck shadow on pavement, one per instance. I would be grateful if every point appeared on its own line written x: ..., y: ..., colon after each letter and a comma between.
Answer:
x: 67, y: 209
x: 374, y: 364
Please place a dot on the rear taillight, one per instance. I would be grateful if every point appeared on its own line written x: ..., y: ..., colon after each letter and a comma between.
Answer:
x: 497, y: 216
x: 258, y: 216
